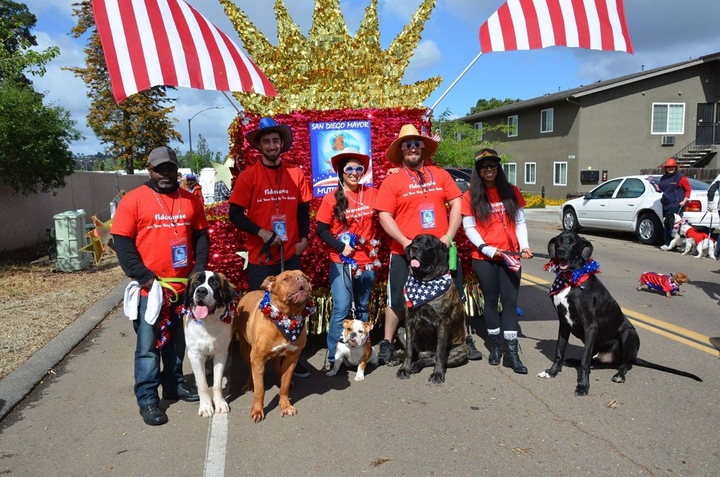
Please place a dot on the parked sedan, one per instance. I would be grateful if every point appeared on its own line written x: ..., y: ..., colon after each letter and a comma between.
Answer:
x: 630, y: 204
x: 461, y: 177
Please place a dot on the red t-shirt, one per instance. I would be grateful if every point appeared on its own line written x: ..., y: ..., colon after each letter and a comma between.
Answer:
x: 499, y: 230
x: 359, y: 216
x: 158, y: 223
x: 413, y: 204
x: 267, y: 195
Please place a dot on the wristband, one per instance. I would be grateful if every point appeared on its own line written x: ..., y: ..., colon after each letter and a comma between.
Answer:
x: 481, y: 247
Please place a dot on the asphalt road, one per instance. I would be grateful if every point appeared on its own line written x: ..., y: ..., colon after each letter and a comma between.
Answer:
x: 81, y: 419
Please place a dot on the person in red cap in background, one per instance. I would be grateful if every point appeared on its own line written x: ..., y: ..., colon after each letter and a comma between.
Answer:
x: 675, y: 188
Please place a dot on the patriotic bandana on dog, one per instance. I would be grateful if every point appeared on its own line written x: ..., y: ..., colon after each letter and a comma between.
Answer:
x: 289, y: 326
x: 418, y: 293
x: 570, y: 278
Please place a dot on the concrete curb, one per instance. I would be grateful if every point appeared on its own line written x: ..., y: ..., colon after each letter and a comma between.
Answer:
x: 19, y: 383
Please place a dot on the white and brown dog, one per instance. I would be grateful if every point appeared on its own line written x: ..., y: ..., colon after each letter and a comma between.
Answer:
x: 271, y: 323
x: 354, y: 348
x: 207, y: 321
x: 695, y: 240
x: 677, y: 240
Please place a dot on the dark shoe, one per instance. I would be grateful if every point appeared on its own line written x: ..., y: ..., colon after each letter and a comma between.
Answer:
x: 153, y: 415
x: 474, y: 354
x: 183, y: 393
x: 385, y: 352
x: 511, y: 358
x: 495, y: 350
x: 301, y: 371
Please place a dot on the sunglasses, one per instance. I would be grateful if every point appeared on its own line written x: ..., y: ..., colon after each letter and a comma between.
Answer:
x: 357, y: 170
x: 487, y: 165
x: 407, y: 145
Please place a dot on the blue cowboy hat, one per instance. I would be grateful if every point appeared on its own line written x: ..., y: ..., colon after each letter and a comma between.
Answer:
x: 268, y: 125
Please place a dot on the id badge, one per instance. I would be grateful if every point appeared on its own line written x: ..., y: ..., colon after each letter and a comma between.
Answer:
x: 427, y: 217
x: 178, y: 248
x: 279, y: 226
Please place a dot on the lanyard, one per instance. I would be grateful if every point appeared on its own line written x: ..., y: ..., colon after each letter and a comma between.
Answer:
x: 420, y: 181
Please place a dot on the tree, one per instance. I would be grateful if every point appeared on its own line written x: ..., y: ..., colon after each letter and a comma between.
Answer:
x: 17, y: 58
x: 137, y: 125
x: 34, y: 138
x: 488, y: 104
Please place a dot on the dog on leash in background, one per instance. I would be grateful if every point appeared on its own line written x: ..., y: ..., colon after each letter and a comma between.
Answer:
x: 677, y: 240
x: 668, y: 284
x: 586, y: 309
x: 695, y: 240
x: 207, y: 322
x: 354, y: 348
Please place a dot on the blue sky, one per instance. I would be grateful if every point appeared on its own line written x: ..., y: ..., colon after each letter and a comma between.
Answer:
x: 662, y: 31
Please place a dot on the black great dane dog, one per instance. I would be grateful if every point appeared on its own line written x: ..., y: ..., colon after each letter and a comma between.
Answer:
x: 434, y: 334
x: 586, y: 309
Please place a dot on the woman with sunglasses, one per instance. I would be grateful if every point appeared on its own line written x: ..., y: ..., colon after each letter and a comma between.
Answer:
x: 494, y: 222
x: 345, y: 221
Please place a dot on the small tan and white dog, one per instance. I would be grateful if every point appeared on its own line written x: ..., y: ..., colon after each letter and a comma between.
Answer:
x: 354, y: 348
x: 677, y: 240
x: 207, y: 320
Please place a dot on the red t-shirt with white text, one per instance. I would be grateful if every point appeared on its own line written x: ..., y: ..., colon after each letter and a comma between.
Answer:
x: 359, y: 216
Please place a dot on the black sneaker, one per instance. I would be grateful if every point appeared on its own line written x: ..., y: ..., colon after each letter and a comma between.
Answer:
x: 301, y: 371
x: 184, y: 392
x: 385, y: 352
x: 474, y: 354
x: 152, y: 415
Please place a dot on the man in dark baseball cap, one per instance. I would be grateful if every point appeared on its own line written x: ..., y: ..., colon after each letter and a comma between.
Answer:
x: 160, y: 155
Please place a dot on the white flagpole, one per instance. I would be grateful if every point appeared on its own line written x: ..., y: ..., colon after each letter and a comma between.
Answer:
x: 432, y: 108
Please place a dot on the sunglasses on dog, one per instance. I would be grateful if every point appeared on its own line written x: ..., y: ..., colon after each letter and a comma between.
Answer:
x: 357, y: 170
x: 407, y: 145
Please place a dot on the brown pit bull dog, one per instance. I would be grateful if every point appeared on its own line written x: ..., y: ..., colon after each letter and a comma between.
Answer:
x: 271, y: 324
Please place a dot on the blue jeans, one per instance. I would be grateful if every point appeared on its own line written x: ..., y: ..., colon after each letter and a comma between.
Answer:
x: 147, y: 357
x: 340, y: 282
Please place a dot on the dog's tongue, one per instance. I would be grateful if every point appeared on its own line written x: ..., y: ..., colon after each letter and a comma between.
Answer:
x: 200, y: 311
x: 415, y: 263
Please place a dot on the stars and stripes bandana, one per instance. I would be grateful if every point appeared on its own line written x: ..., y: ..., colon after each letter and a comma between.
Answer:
x: 570, y: 278
x: 418, y: 292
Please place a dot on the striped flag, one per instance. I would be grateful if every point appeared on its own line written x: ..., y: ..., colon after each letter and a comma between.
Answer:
x: 512, y: 263
x: 167, y: 42
x: 532, y: 24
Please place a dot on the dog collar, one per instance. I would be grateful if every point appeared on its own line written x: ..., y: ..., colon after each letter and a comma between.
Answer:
x: 289, y: 325
x: 420, y: 292
x: 570, y: 278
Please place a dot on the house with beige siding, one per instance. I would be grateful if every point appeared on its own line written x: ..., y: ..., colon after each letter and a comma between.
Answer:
x: 568, y: 142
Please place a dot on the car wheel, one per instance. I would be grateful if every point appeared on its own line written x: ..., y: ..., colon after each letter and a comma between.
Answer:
x: 570, y: 221
x: 649, y: 229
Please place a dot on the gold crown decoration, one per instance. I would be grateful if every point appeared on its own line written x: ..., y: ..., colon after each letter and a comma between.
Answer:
x: 329, y: 69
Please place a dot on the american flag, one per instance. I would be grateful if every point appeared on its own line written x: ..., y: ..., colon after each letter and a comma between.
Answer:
x: 532, y: 24
x: 167, y: 42
x: 513, y: 263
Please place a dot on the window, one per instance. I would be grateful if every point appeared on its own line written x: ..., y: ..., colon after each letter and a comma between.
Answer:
x: 668, y: 118
x: 530, y: 172
x: 560, y: 173
x: 479, y: 127
x: 512, y: 126
x: 606, y: 190
x: 546, y: 120
x: 511, y: 172
x: 631, y: 189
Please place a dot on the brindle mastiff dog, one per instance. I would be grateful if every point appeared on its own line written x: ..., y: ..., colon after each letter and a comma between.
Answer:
x: 435, y: 317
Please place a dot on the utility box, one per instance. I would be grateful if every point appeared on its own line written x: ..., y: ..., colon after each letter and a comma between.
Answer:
x: 70, y: 238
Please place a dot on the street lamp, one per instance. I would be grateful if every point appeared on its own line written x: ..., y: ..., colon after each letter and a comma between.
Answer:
x: 190, y: 130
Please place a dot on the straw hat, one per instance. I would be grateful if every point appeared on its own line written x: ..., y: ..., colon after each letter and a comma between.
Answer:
x: 407, y: 132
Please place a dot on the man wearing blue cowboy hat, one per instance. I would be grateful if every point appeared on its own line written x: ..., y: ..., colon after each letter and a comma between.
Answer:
x: 271, y: 202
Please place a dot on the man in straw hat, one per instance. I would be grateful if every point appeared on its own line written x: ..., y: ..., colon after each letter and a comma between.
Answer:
x: 271, y: 202
x: 675, y: 188
x: 412, y: 202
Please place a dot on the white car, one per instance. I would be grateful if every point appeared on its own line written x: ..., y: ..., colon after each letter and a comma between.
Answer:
x: 630, y: 204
